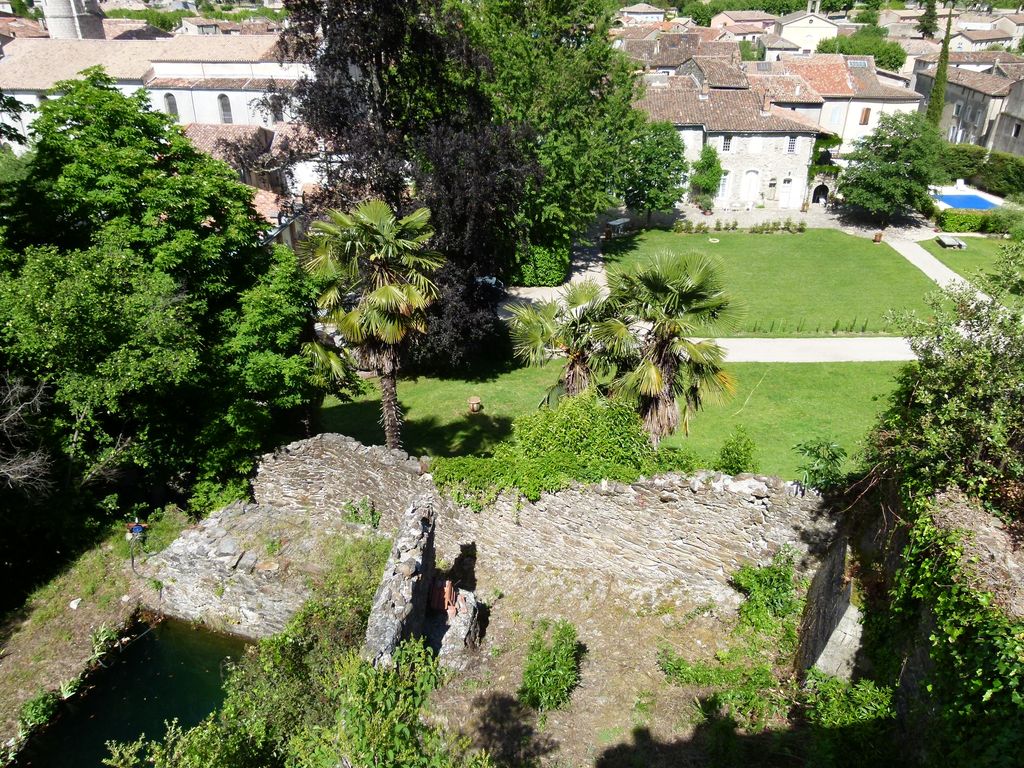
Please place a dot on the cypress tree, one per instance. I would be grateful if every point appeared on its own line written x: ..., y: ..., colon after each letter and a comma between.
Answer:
x: 928, y: 24
x: 937, y: 100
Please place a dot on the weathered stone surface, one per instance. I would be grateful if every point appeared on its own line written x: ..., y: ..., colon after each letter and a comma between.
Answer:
x: 463, y: 633
x: 400, y: 605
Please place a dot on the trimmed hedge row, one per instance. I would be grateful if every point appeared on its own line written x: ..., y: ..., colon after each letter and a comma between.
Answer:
x: 962, y: 220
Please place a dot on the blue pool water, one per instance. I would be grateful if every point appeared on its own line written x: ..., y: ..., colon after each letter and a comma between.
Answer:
x: 974, y: 202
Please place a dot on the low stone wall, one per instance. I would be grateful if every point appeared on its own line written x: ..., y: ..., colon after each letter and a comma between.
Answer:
x: 400, y: 605
x: 322, y: 474
x: 670, y: 538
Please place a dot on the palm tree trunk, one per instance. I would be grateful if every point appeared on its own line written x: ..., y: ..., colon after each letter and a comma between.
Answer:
x: 577, y: 378
x: 390, y: 412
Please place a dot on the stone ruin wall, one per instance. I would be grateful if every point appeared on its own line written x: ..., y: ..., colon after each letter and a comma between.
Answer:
x: 671, y: 538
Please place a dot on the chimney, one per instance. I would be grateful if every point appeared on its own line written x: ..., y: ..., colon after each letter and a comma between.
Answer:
x: 809, y: 4
x: 766, y: 104
x: 703, y: 96
x: 798, y: 89
x: 817, y: 6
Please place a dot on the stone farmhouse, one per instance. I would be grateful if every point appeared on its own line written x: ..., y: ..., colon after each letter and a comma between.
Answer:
x: 978, y: 39
x: 764, y: 150
x: 853, y: 96
x: 765, y: 21
x: 982, y: 97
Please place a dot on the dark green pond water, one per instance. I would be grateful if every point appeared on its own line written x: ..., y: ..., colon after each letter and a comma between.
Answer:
x: 174, y: 671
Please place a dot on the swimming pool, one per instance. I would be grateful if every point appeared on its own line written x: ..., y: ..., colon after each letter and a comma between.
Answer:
x: 973, y: 202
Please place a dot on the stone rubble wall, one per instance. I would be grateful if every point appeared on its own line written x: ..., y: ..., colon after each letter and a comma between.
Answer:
x: 827, y: 609
x: 323, y: 473
x: 246, y: 569
x: 400, y: 605
x: 671, y: 538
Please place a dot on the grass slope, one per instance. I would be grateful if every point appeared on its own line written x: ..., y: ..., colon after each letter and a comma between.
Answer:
x: 979, y: 256
x: 779, y: 404
x: 812, y: 284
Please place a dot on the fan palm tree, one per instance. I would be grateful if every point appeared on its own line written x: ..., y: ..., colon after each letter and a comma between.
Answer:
x: 378, y: 272
x: 563, y: 327
x: 657, y: 309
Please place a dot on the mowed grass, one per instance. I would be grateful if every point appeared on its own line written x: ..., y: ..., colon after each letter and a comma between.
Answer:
x: 819, y: 283
x: 980, y: 255
x: 779, y: 404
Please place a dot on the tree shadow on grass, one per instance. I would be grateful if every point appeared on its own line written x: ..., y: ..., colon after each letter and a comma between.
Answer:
x: 472, y: 433
x: 619, y: 248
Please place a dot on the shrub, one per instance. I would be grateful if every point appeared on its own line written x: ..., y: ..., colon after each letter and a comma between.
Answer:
x: 586, y: 438
x: 996, y: 172
x: 38, y: 710
x: 541, y: 265
x: 552, y: 667
x: 1005, y: 218
x: 961, y: 220
x: 851, y: 722
x: 738, y: 454
x: 825, y: 462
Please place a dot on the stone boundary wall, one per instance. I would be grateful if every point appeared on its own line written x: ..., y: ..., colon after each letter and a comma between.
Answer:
x: 670, y: 538
x: 828, y: 598
x: 400, y: 605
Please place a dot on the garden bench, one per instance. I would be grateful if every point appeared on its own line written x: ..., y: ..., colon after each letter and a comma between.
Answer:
x: 947, y: 241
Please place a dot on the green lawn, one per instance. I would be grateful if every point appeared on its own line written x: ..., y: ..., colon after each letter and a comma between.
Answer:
x: 779, y: 404
x: 979, y: 255
x: 812, y: 284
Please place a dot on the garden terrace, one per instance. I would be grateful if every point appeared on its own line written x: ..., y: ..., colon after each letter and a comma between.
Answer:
x: 779, y: 404
x: 817, y: 283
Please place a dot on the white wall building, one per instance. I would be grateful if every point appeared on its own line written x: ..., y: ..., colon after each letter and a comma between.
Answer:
x: 806, y: 29
x: 642, y: 13
x: 765, y: 151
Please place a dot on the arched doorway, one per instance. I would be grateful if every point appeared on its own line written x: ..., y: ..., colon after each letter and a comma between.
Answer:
x: 751, y: 186
x: 820, y: 194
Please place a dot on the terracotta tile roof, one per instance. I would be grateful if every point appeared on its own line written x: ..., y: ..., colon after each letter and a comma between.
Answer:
x: 784, y: 89
x: 720, y: 73
x: 15, y: 26
x: 706, y: 34
x: 260, y: 84
x: 983, y: 35
x: 131, y: 29
x: 982, y: 82
x: 743, y: 29
x: 267, y: 204
x: 246, y: 27
x: 1016, y: 18
x: 746, y: 16
x: 728, y: 111
x: 22, y: 67
x: 641, y: 8
x: 726, y: 49
x: 789, y: 18
x: 975, y: 57
x: 218, y: 140
x: 1012, y: 71
x: 915, y: 46
x: 638, y: 32
x: 776, y: 42
x: 836, y: 75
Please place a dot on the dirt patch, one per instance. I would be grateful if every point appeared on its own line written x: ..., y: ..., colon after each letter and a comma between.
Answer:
x: 624, y: 712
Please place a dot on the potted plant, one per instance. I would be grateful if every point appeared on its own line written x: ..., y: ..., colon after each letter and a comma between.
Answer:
x: 706, y: 203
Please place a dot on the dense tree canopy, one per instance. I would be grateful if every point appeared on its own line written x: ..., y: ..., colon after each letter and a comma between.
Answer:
x: 135, y: 290
x: 868, y: 41
x: 890, y: 170
x: 653, y: 177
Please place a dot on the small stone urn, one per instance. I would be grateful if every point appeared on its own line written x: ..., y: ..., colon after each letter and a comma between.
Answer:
x: 475, y: 405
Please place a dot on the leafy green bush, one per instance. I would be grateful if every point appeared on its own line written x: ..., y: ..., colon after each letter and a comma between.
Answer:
x: 541, y: 266
x: 961, y: 220
x: 586, y: 439
x: 825, y: 462
x: 38, y: 710
x: 738, y: 454
x: 552, y: 668
x: 999, y: 173
x: 1006, y: 219
x: 851, y: 722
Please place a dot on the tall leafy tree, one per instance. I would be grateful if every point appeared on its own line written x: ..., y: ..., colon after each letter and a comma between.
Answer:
x: 10, y: 112
x: 662, y: 312
x: 553, y: 69
x: 565, y: 328
x: 890, y: 170
x: 937, y: 98
x: 928, y: 24
x: 138, y: 291
x: 378, y: 272
x: 653, y: 177
x: 707, y: 174
x: 868, y: 41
